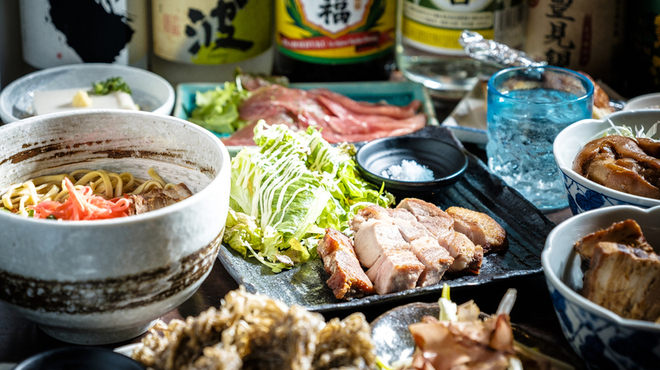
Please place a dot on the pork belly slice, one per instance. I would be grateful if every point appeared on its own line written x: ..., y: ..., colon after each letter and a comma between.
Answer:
x: 395, y: 270
x: 467, y: 256
x: 625, y: 280
x: 428, y: 214
x: 425, y: 247
x: 347, y: 279
x: 480, y: 228
x: 374, y: 237
x: 625, y: 232
x: 158, y: 198
x: 436, y: 260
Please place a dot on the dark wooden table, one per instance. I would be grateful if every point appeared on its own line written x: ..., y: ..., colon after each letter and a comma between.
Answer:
x: 533, y: 311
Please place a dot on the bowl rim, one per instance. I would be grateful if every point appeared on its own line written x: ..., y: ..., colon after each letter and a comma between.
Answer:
x: 226, y: 164
x: 412, y: 184
x: 574, y: 296
x: 640, y: 98
x: 567, y: 168
x: 169, y: 102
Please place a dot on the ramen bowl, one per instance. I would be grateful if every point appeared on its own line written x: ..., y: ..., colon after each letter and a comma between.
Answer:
x: 584, y: 194
x: 105, y: 281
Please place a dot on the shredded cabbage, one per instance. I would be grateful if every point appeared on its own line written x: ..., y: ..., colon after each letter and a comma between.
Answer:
x: 287, y: 189
x: 627, y: 131
x: 217, y: 109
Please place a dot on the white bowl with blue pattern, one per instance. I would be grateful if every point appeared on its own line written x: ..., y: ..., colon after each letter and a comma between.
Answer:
x: 583, y: 194
x: 601, y: 337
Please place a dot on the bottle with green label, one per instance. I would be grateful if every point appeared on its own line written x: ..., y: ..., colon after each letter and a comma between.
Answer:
x: 334, y: 40
x: 427, y: 49
x: 205, y: 40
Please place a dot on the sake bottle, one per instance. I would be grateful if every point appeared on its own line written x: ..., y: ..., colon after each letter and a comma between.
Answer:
x: 205, y: 40
x: 334, y: 40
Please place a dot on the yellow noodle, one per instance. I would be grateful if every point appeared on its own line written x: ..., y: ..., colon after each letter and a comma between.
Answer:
x: 103, y: 183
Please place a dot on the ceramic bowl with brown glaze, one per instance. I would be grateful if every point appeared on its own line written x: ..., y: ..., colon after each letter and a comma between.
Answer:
x: 94, y: 282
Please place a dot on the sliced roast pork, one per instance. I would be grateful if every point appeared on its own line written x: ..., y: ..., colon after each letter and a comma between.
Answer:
x: 467, y: 256
x: 392, y: 265
x: 625, y: 280
x: 480, y: 228
x: 347, y: 279
x: 425, y: 247
x: 625, y: 232
x: 158, y: 198
x: 623, y: 272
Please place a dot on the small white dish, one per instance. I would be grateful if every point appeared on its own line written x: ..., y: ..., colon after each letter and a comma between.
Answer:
x: 150, y: 91
x: 648, y: 101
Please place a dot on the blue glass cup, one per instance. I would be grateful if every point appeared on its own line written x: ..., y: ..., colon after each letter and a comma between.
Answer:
x: 527, y: 108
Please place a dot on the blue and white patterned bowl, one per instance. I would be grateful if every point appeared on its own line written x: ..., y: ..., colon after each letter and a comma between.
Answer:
x: 601, y: 337
x: 583, y: 194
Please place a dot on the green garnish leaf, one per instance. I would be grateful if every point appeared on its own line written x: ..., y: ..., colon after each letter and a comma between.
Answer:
x: 30, y: 212
x: 112, y: 84
x: 51, y: 217
x: 217, y: 109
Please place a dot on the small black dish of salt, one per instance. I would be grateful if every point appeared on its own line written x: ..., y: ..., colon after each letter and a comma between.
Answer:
x: 404, y: 163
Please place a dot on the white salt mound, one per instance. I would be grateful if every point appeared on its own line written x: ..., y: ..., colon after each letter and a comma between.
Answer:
x: 408, y: 171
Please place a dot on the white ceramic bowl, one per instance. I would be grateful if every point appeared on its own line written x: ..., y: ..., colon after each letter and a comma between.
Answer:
x: 150, y: 91
x: 648, y: 101
x: 583, y: 194
x: 601, y: 337
x: 105, y: 281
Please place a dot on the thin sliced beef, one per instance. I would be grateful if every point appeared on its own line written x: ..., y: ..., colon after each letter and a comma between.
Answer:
x: 347, y: 279
x: 340, y: 118
x: 158, y: 198
x: 480, y: 228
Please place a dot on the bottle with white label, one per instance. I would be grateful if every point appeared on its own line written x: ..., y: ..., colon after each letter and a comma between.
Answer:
x: 205, y: 40
x: 428, y: 51
x: 57, y: 33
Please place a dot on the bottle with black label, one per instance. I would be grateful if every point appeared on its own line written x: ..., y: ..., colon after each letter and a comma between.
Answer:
x: 334, y: 40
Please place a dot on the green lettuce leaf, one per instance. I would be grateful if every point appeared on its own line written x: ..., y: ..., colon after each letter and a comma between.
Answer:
x: 217, y: 110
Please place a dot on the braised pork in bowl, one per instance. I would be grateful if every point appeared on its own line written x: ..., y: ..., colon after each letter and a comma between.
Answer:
x: 610, y: 162
x: 603, y: 273
x: 86, y: 277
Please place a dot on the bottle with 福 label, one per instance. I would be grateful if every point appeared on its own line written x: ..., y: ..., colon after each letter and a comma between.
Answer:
x: 56, y: 33
x: 427, y: 47
x: 334, y: 40
x: 206, y: 40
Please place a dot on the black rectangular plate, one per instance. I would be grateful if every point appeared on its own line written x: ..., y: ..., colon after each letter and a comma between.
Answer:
x: 478, y: 189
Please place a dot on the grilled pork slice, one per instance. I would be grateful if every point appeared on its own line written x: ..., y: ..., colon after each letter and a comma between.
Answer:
x: 428, y: 214
x: 480, y: 228
x: 158, y: 198
x: 347, y: 279
x: 625, y: 280
x: 374, y: 237
x: 424, y: 246
x: 395, y: 270
x: 625, y: 232
x: 467, y: 256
